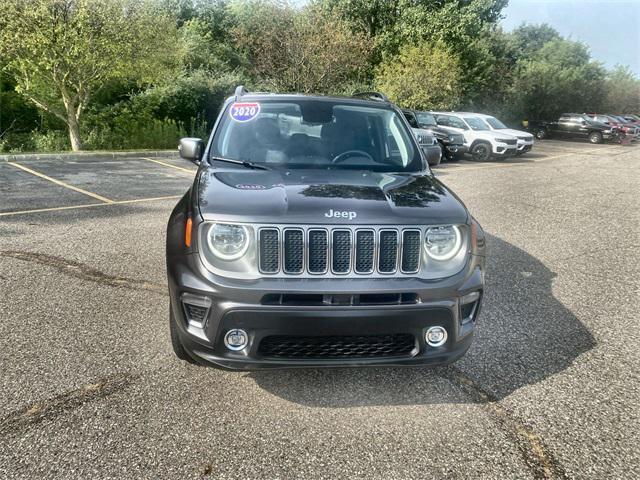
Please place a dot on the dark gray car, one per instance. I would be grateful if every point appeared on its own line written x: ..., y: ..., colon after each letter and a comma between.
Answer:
x: 315, y: 235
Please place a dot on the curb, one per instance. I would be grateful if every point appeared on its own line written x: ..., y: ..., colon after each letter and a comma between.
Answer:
x: 88, y: 155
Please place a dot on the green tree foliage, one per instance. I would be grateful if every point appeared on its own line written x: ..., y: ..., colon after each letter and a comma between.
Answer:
x: 292, y: 51
x: 423, y: 77
x: 60, y: 52
x: 560, y: 77
x: 139, y: 73
x: 621, y: 91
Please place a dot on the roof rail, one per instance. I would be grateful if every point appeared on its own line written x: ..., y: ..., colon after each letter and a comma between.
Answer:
x: 240, y: 91
x: 377, y: 96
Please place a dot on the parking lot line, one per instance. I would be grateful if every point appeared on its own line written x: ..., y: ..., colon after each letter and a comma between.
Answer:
x: 190, y: 172
x: 73, y: 207
x: 62, y: 184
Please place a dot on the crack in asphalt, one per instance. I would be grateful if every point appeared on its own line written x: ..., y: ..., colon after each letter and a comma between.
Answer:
x: 540, y: 461
x: 37, y: 412
x: 84, y: 272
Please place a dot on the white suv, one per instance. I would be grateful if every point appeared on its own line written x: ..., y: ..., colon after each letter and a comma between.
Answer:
x: 483, y: 143
x: 525, y: 139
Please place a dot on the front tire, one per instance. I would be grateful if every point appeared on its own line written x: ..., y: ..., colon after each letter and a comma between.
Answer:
x: 435, y: 163
x: 481, y: 152
x: 541, y: 134
x: 178, y: 349
x: 595, y: 137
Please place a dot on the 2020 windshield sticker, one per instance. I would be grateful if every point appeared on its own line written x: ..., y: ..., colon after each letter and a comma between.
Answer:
x: 244, y: 112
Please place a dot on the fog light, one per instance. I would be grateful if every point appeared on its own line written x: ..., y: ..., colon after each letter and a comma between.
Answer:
x: 436, y: 336
x: 236, y: 339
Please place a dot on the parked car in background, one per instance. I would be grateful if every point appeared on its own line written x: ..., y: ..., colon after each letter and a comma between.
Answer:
x: 624, y: 126
x: 482, y: 142
x: 525, y: 139
x: 451, y: 142
x: 635, y: 119
x: 576, y: 125
x: 429, y: 146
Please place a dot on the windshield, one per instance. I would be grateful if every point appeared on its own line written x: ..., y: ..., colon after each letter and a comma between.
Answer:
x: 426, y: 119
x: 495, y: 123
x: 316, y: 134
x: 476, y: 123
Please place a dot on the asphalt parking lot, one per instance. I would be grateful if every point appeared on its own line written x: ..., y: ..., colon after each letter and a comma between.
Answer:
x: 550, y: 388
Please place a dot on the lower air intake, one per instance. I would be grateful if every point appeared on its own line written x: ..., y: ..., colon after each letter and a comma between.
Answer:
x: 361, y: 346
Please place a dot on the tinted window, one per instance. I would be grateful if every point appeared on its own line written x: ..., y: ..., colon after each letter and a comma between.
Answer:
x: 449, y: 121
x: 316, y: 134
x: 476, y: 123
x: 426, y: 119
x: 495, y: 123
x: 411, y: 118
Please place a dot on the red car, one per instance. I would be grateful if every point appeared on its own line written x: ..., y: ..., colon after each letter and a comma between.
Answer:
x: 630, y: 130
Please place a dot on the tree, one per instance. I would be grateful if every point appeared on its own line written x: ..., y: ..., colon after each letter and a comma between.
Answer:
x: 560, y: 77
x: 298, y: 51
x: 622, y: 91
x: 425, y: 77
x: 61, y: 52
x: 528, y: 39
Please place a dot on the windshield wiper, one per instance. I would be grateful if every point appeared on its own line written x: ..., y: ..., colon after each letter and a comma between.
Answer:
x: 244, y: 163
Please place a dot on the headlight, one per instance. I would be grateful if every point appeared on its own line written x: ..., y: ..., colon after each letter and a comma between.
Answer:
x: 228, y: 242
x: 443, y: 243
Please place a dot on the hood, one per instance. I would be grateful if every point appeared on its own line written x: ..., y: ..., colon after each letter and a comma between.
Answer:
x: 441, y: 132
x: 515, y: 133
x: 326, y: 197
x: 490, y: 134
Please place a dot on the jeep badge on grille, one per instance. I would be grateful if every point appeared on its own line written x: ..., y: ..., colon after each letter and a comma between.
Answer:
x: 336, y: 214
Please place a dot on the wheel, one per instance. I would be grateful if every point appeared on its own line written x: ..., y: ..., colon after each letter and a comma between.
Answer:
x: 178, y: 349
x: 595, y: 137
x: 541, y: 133
x: 481, y: 152
x: 436, y: 162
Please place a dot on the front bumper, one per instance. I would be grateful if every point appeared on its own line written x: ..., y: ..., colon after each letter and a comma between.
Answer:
x: 241, y: 305
x: 524, y: 146
x: 503, y: 150
x: 456, y: 150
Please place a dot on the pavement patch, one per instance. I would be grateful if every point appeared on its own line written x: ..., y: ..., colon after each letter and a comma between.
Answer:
x: 84, y: 272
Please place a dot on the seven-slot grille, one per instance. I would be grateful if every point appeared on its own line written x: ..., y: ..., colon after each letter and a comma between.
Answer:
x: 339, y: 250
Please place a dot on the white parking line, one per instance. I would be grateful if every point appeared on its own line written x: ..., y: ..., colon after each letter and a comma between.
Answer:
x: 62, y: 184
x: 190, y: 172
x: 73, y: 207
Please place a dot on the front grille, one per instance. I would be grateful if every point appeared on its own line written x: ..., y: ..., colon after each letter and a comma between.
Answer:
x: 526, y: 139
x: 339, y: 250
x: 321, y: 347
x: 510, y: 141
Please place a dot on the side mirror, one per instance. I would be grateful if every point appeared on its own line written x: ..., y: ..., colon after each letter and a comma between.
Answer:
x: 191, y: 149
x: 583, y: 123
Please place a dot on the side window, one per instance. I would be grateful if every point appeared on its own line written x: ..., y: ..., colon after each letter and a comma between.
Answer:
x: 442, y: 120
x: 411, y: 118
x: 455, y: 122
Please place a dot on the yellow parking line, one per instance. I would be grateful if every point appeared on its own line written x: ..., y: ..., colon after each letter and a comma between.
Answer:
x: 62, y: 184
x: 191, y: 172
x: 73, y: 207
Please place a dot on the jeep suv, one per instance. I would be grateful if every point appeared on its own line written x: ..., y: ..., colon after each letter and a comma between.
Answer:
x: 482, y: 142
x: 451, y: 143
x: 525, y: 139
x: 315, y: 235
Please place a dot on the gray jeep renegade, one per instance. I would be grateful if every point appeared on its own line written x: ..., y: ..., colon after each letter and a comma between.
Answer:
x: 315, y: 235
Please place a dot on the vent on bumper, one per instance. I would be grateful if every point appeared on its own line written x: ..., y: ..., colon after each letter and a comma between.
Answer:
x: 322, y: 347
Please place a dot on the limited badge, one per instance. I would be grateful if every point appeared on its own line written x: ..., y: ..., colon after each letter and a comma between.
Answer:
x: 244, y: 112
